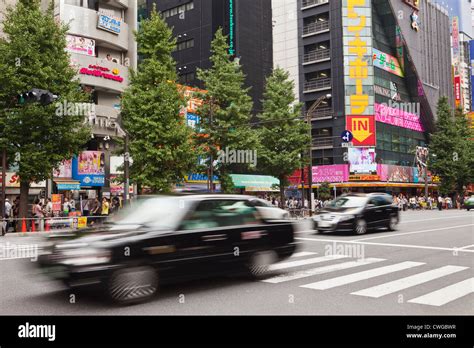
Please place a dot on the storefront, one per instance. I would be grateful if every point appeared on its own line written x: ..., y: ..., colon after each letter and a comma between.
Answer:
x: 255, y: 183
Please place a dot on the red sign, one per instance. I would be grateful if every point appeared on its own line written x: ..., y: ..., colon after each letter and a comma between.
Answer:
x: 457, y: 89
x: 100, y: 71
x: 363, y: 129
x: 56, y: 200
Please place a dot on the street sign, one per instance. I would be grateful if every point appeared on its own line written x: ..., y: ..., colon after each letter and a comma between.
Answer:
x: 347, y: 136
x: 347, y: 144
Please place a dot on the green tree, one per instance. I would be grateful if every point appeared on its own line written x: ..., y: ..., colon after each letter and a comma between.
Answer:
x: 33, y: 55
x: 226, y: 110
x: 160, y: 141
x: 451, y: 150
x: 325, y: 191
x: 283, y: 134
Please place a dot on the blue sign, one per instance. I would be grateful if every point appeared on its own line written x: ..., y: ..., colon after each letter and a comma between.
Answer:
x: 192, y: 120
x: 471, y: 49
x: 69, y: 187
x: 347, y: 136
x: 89, y: 177
x: 109, y: 23
x: 198, y: 178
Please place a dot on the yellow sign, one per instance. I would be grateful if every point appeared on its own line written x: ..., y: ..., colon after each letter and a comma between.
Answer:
x: 361, y: 128
x: 82, y: 222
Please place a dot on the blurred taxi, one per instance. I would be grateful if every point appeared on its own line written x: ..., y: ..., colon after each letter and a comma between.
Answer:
x: 163, y: 239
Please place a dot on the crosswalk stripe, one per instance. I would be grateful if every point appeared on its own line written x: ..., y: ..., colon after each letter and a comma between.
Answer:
x: 355, y: 277
x: 303, y: 253
x: 320, y: 270
x: 408, y: 282
x: 448, y: 294
x: 291, y: 264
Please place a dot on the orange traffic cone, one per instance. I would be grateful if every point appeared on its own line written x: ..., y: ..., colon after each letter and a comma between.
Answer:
x: 33, y: 226
x: 23, y: 225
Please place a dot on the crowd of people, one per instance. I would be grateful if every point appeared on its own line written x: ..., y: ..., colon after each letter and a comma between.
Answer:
x: 43, y: 208
x: 439, y: 202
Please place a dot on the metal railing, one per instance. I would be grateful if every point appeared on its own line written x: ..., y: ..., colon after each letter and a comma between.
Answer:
x: 315, y: 27
x: 308, y: 3
x: 323, y: 142
x: 317, y: 84
x: 316, y: 55
x: 322, y: 113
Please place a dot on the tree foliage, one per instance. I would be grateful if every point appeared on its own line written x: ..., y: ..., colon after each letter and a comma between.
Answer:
x: 283, y: 134
x: 160, y: 141
x: 325, y: 191
x: 33, y: 55
x: 451, y: 149
x: 226, y: 110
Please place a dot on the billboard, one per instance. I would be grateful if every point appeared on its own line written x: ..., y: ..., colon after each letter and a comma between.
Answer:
x: 89, y: 168
x: 398, y: 117
x: 358, y: 71
x: 64, y: 170
x: 109, y: 23
x: 363, y: 129
x: 362, y: 161
x: 392, y: 173
x: 421, y: 158
x: 80, y: 45
x: 386, y: 62
x: 331, y: 173
x: 457, y: 90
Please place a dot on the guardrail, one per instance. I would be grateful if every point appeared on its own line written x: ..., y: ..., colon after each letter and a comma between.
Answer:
x: 316, y: 55
x: 315, y: 27
x: 317, y: 84
x: 322, y: 113
x: 46, y: 224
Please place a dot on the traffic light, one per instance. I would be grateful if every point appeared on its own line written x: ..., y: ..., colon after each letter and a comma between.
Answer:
x: 36, y: 95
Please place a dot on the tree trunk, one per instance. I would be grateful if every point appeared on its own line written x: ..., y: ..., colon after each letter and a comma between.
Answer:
x: 282, y: 194
x: 24, y: 191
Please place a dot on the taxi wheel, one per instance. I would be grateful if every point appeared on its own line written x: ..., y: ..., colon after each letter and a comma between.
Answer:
x: 360, y: 226
x: 260, y: 262
x: 392, y: 223
x: 132, y: 285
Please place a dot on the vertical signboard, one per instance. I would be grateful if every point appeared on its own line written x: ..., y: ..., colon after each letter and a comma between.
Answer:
x: 455, y: 36
x: 471, y: 50
x: 457, y: 90
x: 231, y: 28
x: 359, y: 70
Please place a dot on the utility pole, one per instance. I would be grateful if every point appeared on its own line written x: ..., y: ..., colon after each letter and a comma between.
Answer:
x: 310, y: 164
x: 4, y: 183
x: 126, y: 171
x: 211, y: 157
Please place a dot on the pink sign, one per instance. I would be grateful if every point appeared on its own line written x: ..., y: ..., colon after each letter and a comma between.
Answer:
x: 397, y: 117
x: 331, y: 173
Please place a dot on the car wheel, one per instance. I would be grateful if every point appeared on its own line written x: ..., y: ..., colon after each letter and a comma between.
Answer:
x: 133, y: 284
x: 392, y: 223
x: 361, y: 226
x: 260, y: 262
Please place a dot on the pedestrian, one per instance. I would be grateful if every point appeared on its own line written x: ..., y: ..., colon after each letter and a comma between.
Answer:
x: 8, y: 215
x: 95, y: 210
x: 440, y: 203
x: 105, y: 209
x: 116, y: 203
x: 66, y: 207
x: 412, y: 203
x: 16, y: 213
x: 85, y: 206
x: 49, y: 208
x: 38, y: 214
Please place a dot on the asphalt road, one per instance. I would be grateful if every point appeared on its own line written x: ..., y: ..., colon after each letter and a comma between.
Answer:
x: 426, y: 267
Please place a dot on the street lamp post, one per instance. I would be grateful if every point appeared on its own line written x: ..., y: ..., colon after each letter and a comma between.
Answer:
x: 310, y: 164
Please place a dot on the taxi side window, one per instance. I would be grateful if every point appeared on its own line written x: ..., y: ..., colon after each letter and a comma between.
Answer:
x: 220, y: 213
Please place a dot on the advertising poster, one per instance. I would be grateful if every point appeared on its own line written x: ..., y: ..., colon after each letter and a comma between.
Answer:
x: 331, y: 173
x: 362, y: 161
x: 109, y: 23
x: 363, y: 130
x: 89, y: 168
x: 386, y: 62
x: 457, y: 90
x: 80, y: 45
x: 64, y: 170
x: 397, y: 117
x: 421, y: 157
x: 56, y: 200
x: 392, y: 173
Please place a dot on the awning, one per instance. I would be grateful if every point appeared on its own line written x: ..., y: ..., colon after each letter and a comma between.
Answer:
x: 255, y: 183
x: 67, y: 185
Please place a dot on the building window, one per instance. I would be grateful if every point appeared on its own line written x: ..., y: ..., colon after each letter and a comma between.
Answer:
x: 187, y: 78
x: 177, y: 10
x: 185, y: 44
